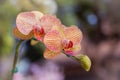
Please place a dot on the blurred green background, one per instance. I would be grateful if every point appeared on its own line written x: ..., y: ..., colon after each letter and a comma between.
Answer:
x: 99, y: 20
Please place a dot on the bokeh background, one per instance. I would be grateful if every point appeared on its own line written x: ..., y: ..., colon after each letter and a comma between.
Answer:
x: 99, y: 20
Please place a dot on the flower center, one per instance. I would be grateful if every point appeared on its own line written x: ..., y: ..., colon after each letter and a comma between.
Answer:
x: 39, y: 33
x: 67, y: 44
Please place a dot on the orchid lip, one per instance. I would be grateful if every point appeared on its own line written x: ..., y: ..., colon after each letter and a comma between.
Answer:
x: 38, y: 30
x: 70, y: 44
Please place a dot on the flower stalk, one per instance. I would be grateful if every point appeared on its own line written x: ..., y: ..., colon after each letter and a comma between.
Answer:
x: 16, y: 57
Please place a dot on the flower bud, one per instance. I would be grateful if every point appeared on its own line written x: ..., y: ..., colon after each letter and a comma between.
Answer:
x: 85, y: 61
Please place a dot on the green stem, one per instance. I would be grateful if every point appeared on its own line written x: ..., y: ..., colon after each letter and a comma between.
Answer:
x: 73, y: 57
x: 77, y: 58
x: 16, y: 56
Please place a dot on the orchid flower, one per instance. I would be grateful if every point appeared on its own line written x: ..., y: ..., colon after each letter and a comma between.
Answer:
x: 35, y: 24
x: 58, y: 40
x: 25, y: 23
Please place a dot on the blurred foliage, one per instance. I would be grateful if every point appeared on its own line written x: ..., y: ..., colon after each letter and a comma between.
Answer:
x: 68, y: 11
x: 7, y: 15
x: 97, y: 20
x: 45, y: 6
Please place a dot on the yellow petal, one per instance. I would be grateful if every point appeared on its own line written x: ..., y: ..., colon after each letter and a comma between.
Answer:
x: 49, y: 54
x: 52, y: 41
x: 73, y: 34
x: 76, y: 48
x: 18, y: 34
